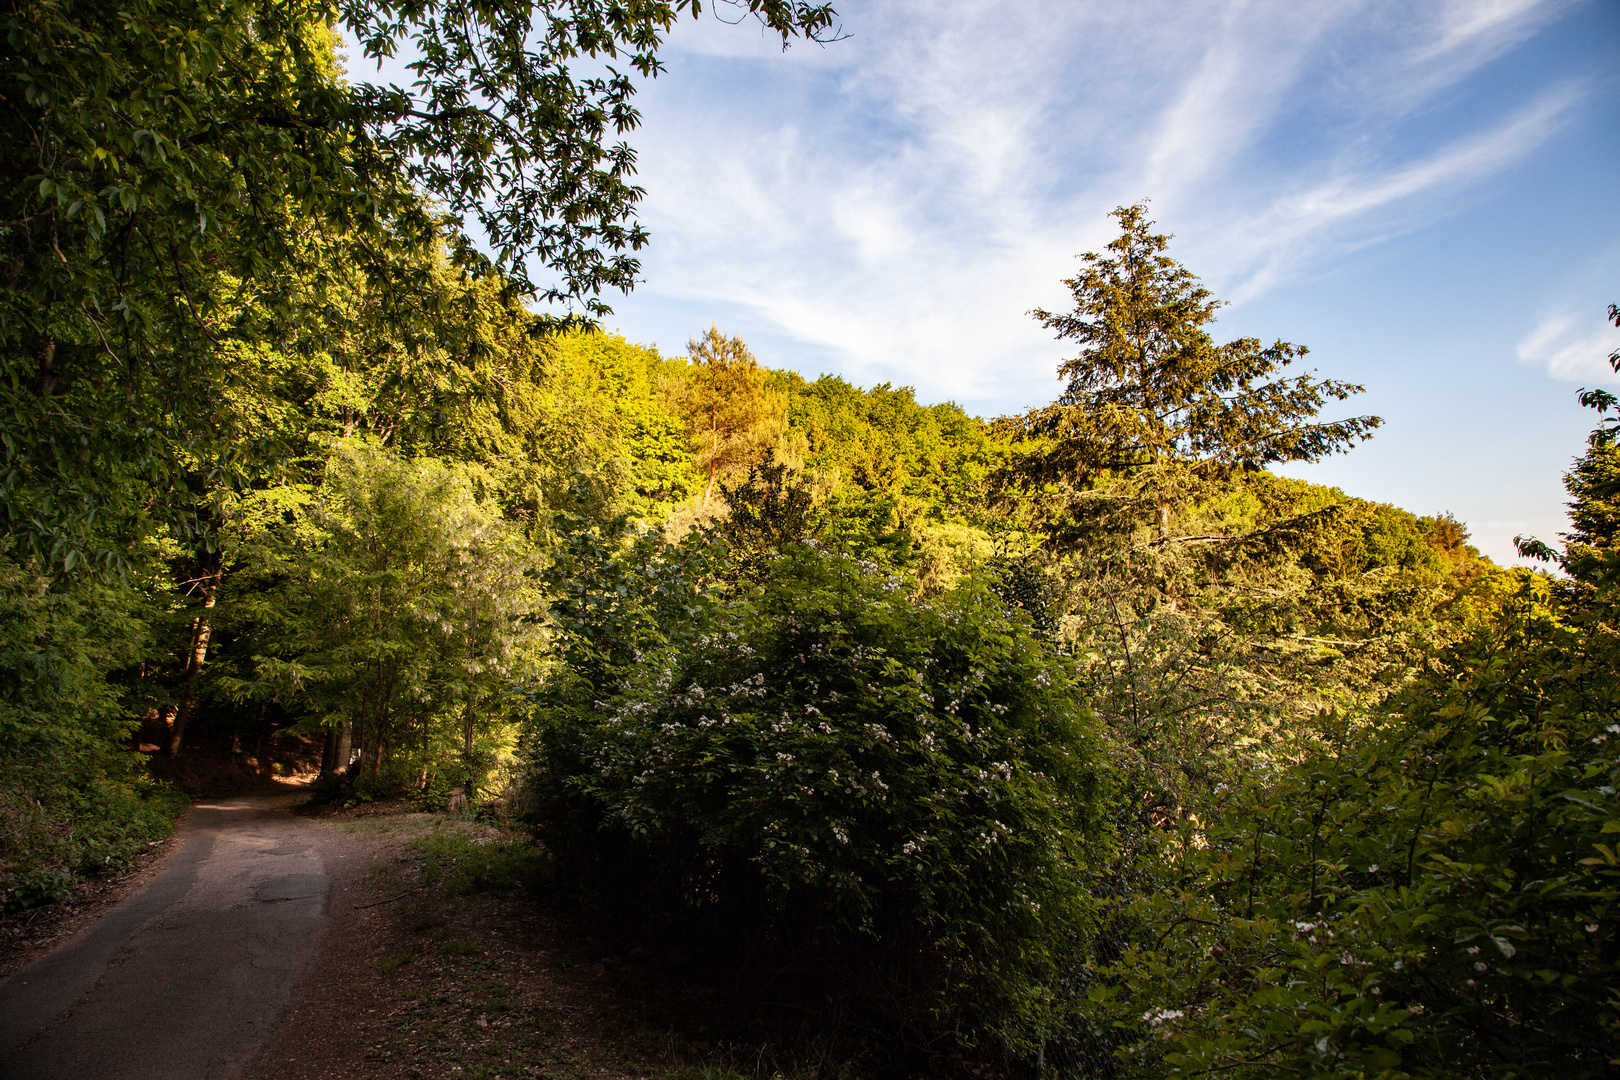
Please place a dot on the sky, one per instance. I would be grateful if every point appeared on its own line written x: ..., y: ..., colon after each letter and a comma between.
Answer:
x: 1427, y: 194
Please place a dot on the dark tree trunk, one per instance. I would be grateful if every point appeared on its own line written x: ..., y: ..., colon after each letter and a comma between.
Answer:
x: 195, y: 658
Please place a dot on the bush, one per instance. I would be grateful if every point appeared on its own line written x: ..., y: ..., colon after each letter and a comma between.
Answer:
x: 896, y: 799
x: 85, y: 827
x: 74, y: 801
x: 1434, y: 896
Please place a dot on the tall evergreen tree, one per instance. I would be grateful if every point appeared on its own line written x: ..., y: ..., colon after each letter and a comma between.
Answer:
x: 1152, y: 388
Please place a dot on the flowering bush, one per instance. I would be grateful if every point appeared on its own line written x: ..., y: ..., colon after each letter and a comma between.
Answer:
x: 827, y: 768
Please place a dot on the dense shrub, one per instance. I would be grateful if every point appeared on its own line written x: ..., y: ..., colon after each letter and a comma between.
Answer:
x: 898, y: 795
x: 1433, y: 895
x: 74, y: 802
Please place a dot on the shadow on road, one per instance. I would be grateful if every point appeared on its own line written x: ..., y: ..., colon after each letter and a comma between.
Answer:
x: 184, y: 979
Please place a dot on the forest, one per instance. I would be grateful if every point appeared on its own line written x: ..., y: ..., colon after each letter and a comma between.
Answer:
x: 1077, y: 743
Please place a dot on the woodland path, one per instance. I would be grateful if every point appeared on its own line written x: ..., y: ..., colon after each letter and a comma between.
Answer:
x: 185, y: 979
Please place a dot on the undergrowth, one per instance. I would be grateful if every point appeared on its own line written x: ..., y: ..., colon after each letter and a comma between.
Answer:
x: 482, y: 861
x: 53, y: 836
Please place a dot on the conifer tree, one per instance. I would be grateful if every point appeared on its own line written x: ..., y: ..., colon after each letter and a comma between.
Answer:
x: 1152, y: 388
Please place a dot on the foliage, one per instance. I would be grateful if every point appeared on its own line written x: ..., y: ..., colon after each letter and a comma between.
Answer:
x: 824, y: 768
x: 902, y: 482
x: 770, y: 509
x: 188, y: 181
x: 1209, y: 658
x: 1432, y: 893
x: 1431, y: 897
x: 1151, y: 386
x: 730, y: 419
x: 73, y: 801
x: 393, y: 613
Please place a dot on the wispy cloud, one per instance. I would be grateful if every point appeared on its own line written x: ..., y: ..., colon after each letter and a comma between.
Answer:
x: 1573, y: 346
x: 1350, y: 211
x: 898, y: 201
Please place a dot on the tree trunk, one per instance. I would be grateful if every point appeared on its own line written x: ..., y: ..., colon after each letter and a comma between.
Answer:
x: 345, y: 746
x: 47, y: 369
x: 467, y: 749
x: 467, y: 711
x: 200, y: 631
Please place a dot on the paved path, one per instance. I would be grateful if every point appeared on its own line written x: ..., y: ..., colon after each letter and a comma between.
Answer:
x: 184, y: 979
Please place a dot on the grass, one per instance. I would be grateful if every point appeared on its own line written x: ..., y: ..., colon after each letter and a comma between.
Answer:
x: 475, y: 860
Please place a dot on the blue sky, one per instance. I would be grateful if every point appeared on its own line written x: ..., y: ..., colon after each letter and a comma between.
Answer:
x: 1423, y: 193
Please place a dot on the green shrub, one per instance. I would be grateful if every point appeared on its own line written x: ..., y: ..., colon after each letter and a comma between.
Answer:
x: 1433, y: 896
x: 900, y: 794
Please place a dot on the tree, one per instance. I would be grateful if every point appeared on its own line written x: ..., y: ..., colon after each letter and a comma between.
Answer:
x: 392, y: 609
x: 1594, y: 487
x: 1432, y: 893
x: 771, y: 508
x: 1151, y: 387
x: 1218, y: 607
x: 732, y: 420
x: 167, y: 157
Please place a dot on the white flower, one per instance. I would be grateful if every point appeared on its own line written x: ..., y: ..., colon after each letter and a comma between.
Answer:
x: 1591, y: 928
x: 1471, y: 950
x: 1479, y: 965
x: 909, y: 848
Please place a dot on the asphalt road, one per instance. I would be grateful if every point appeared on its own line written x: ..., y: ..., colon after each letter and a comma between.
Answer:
x: 184, y: 979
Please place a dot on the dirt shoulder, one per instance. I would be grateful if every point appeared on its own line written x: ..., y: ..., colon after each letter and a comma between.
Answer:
x: 425, y: 970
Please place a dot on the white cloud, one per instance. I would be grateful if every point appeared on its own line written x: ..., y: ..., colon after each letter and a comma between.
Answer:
x: 1572, y: 346
x: 898, y: 201
x: 1296, y: 230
